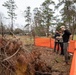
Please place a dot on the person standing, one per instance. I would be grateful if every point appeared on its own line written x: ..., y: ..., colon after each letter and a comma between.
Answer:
x: 57, y: 35
x: 61, y: 43
x: 66, y: 38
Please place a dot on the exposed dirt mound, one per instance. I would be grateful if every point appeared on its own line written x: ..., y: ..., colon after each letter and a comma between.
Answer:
x: 18, y: 59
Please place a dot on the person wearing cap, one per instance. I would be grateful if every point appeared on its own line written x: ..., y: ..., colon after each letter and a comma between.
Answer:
x: 66, y: 38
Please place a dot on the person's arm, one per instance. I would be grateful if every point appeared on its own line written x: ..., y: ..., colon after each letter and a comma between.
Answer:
x: 70, y: 37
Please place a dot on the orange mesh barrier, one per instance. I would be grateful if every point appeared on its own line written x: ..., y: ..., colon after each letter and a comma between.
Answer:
x: 46, y: 42
x: 42, y: 42
x: 73, y: 66
x: 52, y: 43
x: 71, y: 46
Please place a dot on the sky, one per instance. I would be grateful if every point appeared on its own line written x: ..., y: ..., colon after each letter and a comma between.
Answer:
x: 21, y: 6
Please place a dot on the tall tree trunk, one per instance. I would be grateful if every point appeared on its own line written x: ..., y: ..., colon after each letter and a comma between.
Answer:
x: 47, y: 32
x: 12, y: 23
x: 2, y: 29
x: 73, y: 28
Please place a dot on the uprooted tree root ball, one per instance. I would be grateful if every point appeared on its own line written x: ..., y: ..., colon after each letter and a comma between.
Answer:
x: 18, y: 59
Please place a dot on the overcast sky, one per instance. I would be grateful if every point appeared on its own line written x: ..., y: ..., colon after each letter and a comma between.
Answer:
x: 21, y: 4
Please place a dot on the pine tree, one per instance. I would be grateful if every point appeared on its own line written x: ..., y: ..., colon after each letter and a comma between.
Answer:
x: 11, y: 7
x: 47, y: 14
x: 27, y: 18
x: 38, y: 22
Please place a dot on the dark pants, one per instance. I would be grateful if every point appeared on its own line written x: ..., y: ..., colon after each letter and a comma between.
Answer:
x: 56, y: 45
x: 62, y: 50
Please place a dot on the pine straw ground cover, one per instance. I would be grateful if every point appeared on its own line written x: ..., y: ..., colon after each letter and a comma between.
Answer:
x: 17, y: 58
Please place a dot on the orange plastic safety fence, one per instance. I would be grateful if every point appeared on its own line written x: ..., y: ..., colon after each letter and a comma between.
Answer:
x: 71, y: 46
x: 45, y: 42
x: 52, y: 43
x: 73, y: 66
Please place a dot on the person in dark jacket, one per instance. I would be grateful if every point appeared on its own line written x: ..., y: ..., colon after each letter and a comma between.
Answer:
x: 61, y: 42
x: 66, y: 38
x: 56, y: 41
